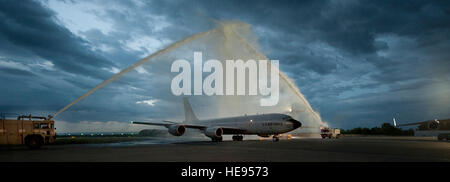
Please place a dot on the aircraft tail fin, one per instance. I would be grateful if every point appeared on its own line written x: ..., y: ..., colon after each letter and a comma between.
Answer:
x: 188, y: 112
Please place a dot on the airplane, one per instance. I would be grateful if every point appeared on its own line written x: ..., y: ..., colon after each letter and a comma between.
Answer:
x: 429, y: 124
x: 262, y: 125
x: 439, y: 128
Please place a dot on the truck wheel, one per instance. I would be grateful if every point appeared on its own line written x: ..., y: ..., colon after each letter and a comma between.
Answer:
x: 34, y: 142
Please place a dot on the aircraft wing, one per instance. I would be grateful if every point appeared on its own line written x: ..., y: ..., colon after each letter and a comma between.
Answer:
x: 226, y: 130
x: 415, y: 123
x: 168, y: 123
x: 155, y: 124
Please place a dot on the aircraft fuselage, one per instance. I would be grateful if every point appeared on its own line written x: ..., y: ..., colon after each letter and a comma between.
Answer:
x: 264, y: 124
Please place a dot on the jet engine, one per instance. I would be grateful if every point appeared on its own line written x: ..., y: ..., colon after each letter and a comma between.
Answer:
x: 214, y: 132
x: 177, y: 130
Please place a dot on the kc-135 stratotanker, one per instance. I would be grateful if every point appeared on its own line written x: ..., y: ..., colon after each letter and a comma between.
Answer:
x: 263, y: 125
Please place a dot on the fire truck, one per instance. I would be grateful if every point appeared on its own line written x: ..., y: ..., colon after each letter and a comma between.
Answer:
x: 329, y: 132
x: 33, y: 131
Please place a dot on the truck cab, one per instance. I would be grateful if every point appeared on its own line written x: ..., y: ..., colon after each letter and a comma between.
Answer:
x: 32, y: 131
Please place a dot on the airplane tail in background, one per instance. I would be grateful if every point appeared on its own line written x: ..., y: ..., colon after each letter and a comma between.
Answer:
x: 188, y: 112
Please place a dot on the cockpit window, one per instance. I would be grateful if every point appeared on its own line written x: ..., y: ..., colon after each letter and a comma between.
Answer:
x: 291, y: 119
x: 287, y: 118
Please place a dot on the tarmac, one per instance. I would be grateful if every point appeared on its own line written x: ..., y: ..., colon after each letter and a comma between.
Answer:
x: 346, y: 149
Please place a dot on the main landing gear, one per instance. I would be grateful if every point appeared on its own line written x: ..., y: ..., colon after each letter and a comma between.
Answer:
x: 238, y: 137
x: 217, y: 139
x: 276, y: 138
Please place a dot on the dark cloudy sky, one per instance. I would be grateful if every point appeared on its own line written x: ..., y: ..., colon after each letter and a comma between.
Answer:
x: 359, y: 63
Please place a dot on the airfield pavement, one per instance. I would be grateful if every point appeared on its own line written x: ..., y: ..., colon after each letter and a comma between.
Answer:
x: 346, y: 149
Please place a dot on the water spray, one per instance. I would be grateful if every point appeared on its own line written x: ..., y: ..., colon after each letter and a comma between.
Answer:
x: 140, y: 62
x: 282, y: 76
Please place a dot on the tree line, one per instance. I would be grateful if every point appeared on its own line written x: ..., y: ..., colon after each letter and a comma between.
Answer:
x: 385, y: 129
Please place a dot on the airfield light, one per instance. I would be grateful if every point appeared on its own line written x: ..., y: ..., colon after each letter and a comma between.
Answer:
x: 290, y: 109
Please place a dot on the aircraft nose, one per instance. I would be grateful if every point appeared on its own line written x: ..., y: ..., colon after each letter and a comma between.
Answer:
x: 296, y: 124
